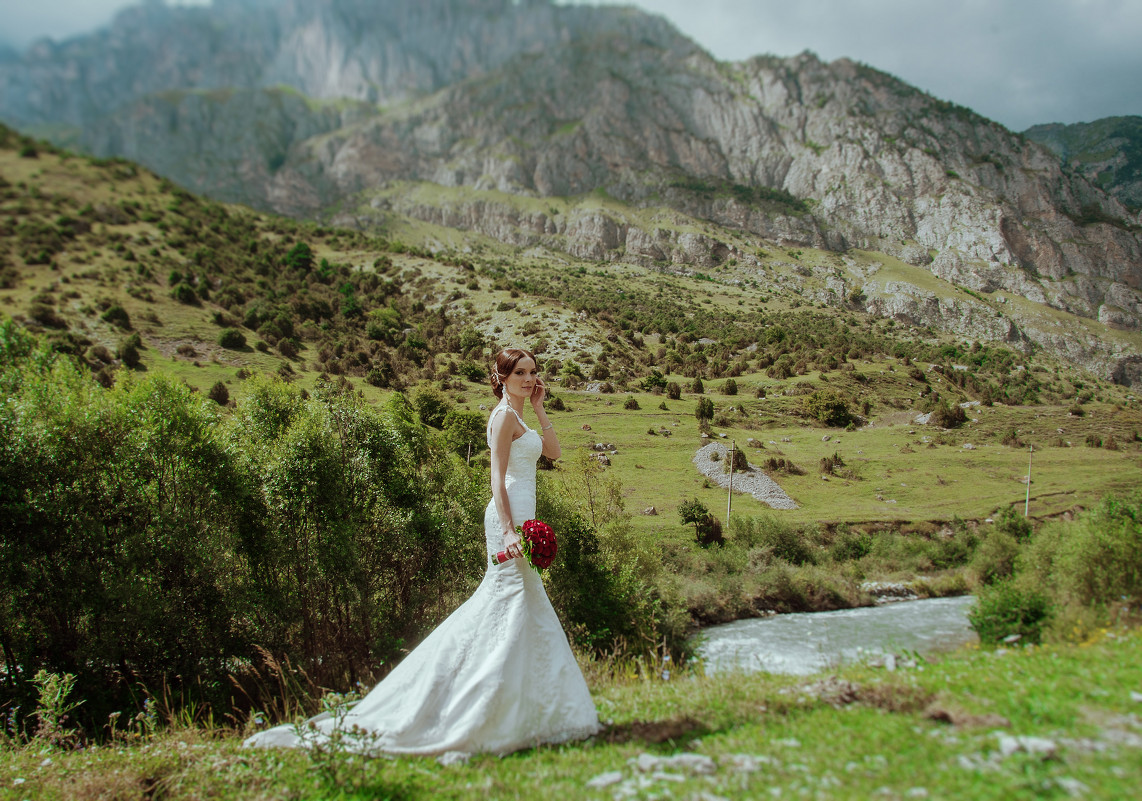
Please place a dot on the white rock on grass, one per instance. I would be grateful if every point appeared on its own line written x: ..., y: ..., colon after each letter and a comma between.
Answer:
x: 605, y: 779
x: 1036, y: 746
x: 688, y: 762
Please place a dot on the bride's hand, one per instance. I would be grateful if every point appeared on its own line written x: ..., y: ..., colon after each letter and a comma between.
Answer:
x: 538, y: 393
x: 511, y: 545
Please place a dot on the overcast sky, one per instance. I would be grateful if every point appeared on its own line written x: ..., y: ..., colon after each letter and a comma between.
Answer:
x: 1020, y: 62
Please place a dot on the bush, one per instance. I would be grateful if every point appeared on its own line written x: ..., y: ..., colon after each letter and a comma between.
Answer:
x: 730, y: 387
x: 653, y: 381
x: 1008, y: 608
x: 129, y: 354
x: 219, y: 393
x: 697, y: 387
x: 473, y: 372
x: 994, y: 560
x: 184, y: 293
x: 783, y: 540
x: 1095, y: 561
x: 117, y: 315
x: 431, y: 406
x: 231, y: 339
x: 739, y: 461
x: 828, y: 407
x: 946, y: 416
x: 1011, y: 522
x: 631, y: 403
x: 673, y: 391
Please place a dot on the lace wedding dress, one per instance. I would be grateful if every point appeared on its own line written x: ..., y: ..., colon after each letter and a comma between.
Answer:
x: 498, y: 675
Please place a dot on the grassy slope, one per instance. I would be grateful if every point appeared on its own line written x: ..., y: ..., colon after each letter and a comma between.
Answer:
x: 863, y: 733
x: 891, y: 458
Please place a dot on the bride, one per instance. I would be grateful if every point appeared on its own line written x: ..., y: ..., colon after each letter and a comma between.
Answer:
x: 498, y: 675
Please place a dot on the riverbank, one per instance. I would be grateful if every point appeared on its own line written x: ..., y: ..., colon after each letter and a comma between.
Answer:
x: 1021, y: 723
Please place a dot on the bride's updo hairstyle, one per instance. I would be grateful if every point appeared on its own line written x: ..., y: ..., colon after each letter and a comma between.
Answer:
x: 506, y: 360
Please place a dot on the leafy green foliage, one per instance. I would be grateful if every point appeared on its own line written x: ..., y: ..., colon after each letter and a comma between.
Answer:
x: 431, y: 405
x: 1010, y: 609
x: 464, y: 429
x: 829, y: 407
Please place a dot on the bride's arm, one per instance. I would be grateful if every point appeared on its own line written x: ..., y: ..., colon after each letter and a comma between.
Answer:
x: 551, y: 447
x: 503, y: 426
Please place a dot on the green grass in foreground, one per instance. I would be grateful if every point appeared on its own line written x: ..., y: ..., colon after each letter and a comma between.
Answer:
x: 933, y: 731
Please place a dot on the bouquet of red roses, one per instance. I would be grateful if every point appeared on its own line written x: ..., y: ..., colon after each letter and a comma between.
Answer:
x: 537, y: 541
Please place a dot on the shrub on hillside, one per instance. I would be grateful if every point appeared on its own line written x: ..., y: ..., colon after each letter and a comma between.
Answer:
x: 1094, y: 561
x: 786, y: 542
x: 730, y: 387
x: 117, y: 315
x: 219, y: 393
x: 707, y: 528
x: 946, y: 416
x: 129, y: 354
x: 631, y: 403
x: 184, y: 293
x: 828, y: 407
x: 673, y: 391
x: 231, y: 339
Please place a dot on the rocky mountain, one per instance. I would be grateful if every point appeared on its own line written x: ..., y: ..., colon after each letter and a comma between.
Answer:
x: 355, y: 105
x: 1107, y: 152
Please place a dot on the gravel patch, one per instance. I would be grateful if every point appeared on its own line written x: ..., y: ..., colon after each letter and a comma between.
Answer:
x: 754, y: 482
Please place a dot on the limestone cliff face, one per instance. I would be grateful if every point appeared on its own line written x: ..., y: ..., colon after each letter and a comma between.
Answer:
x: 864, y: 161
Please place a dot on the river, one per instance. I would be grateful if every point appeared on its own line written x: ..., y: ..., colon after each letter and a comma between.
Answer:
x: 809, y: 642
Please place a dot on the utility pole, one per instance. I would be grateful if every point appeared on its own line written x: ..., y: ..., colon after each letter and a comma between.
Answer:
x: 1027, y: 501
x: 730, y: 492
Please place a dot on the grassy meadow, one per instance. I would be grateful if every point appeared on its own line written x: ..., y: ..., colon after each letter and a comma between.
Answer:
x: 1056, y: 721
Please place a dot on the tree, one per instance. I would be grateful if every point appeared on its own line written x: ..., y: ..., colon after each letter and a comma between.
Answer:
x: 653, y: 381
x: 300, y: 257
x: 730, y: 387
x: 697, y: 387
x: 431, y: 406
x: 463, y: 428
x: 707, y: 528
x: 673, y: 391
x: 705, y: 410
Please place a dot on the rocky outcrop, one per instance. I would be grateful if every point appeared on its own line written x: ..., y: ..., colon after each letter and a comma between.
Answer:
x: 1107, y: 152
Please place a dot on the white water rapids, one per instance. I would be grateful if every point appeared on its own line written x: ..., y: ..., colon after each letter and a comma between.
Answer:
x: 805, y: 643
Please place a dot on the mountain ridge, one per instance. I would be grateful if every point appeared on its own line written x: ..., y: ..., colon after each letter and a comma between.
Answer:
x: 796, y: 151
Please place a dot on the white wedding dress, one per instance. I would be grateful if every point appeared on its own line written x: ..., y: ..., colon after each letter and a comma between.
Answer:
x: 498, y: 675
